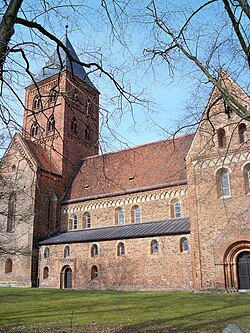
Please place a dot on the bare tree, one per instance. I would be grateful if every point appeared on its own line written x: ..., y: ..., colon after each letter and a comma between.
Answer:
x: 212, y: 35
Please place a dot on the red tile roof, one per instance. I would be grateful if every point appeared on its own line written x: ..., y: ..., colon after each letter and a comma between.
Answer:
x: 42, y: 158
x: 155, y: 164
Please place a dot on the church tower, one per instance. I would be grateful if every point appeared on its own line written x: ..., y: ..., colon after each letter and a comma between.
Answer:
x: 62, y: 112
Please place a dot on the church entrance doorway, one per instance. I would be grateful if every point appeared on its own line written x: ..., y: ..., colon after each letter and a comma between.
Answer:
x: 67, y: 278
x: 243, y: 269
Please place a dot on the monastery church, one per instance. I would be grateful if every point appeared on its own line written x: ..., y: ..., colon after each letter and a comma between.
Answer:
x: 168, y: 215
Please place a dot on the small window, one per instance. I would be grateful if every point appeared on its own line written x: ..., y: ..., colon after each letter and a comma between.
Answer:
x: 94, y: 272
x: 37, y: 102
x: 45, y: 272
x: 86, y: 220
x: 246, y: 173
x: 154, y: 247
x: 121, y: 249
x: 223, y: 183
x: 66, y: 251
x: 242, y: 133
x: 75, y: 96
x: 74, y: 125
x: 94, y: 250
x: 136, y: 214
x: 52, y: 96
x: 175, y: 209
x: 73, y: 222
x: 46, y: 253
x: 51, y: 123
x: 11, y: 218
x: 221, y: 134
x: 89, y: 106
x: 119, y: 216
x: 34, y: 130
x: 183, y: 244
x: 8, y: 266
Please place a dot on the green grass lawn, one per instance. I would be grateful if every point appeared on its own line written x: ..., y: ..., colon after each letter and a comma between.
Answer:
x: 73, y: 311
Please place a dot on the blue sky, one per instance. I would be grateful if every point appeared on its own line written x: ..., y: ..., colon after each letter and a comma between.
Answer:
x: 121, y: 52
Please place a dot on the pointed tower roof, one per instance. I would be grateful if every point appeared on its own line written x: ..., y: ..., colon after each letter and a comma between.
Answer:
x: 59, y: 59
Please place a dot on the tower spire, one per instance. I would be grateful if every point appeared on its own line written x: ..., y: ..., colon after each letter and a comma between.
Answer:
x: 66, y: 30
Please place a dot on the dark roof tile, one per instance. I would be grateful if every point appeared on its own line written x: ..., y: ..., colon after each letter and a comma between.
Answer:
x: 127, y: 231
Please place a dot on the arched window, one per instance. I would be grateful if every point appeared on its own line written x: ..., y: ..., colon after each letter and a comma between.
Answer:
x: 94, y: 250
x: 45, y: 272
x: 183, y: 244
x: 34, y: 130
x: 86, y: 220
x: 37, y: 102
x: 242, y: 133
x: 51, y: 123
x: 52, y: 96
x: 66, y: 251
x: 221, y: 134
x: 175, y: 209
x: 119, y: 216
x: 246, y: 173
x: 223, y: 183
x: 74, y: 125
x: 135, y: 214
x: 94, y: 272
x: 73, y: 222
x: 46, y: 253
x: 11, y: 218
x: 154, y: 247
x: 120, y: 249
x: 8, y: 266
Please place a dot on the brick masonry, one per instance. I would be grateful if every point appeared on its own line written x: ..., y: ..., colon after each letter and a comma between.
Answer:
x: 60, y: 173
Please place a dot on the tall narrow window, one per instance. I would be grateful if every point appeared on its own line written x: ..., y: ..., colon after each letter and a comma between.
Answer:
x: 73, y: 222
x: 11, y: 218
x: 45, y: 272
x: 221, y: 134
x: 246, y: 173
x: 223, y: 183
x: 37, y: 102
x: 242, y: 133
x: 46, y: 253
x: 74, y: 125
x: 52, y: 96
x: 94, y: 272
x: 121, y: 249
x: 154, y: 247
x: 66, y: 251
x: 119, y: 216
x: 86, y: 220
x: 136, y: 214
x: 175, y: 209
x: 51, y: 123
x: 183, y: 244
x: 34, y: 130
x: 87, y: 133
x: 8, y: 266
x: 89, y: 106
x: 94, y: 250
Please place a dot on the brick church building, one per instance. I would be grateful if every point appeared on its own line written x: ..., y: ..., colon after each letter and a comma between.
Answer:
x: 172, y: 214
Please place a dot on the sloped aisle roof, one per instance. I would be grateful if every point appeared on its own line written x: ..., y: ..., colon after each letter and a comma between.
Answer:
x: 127, y: 231
x: 155, y: 164
x: 42, y: 158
